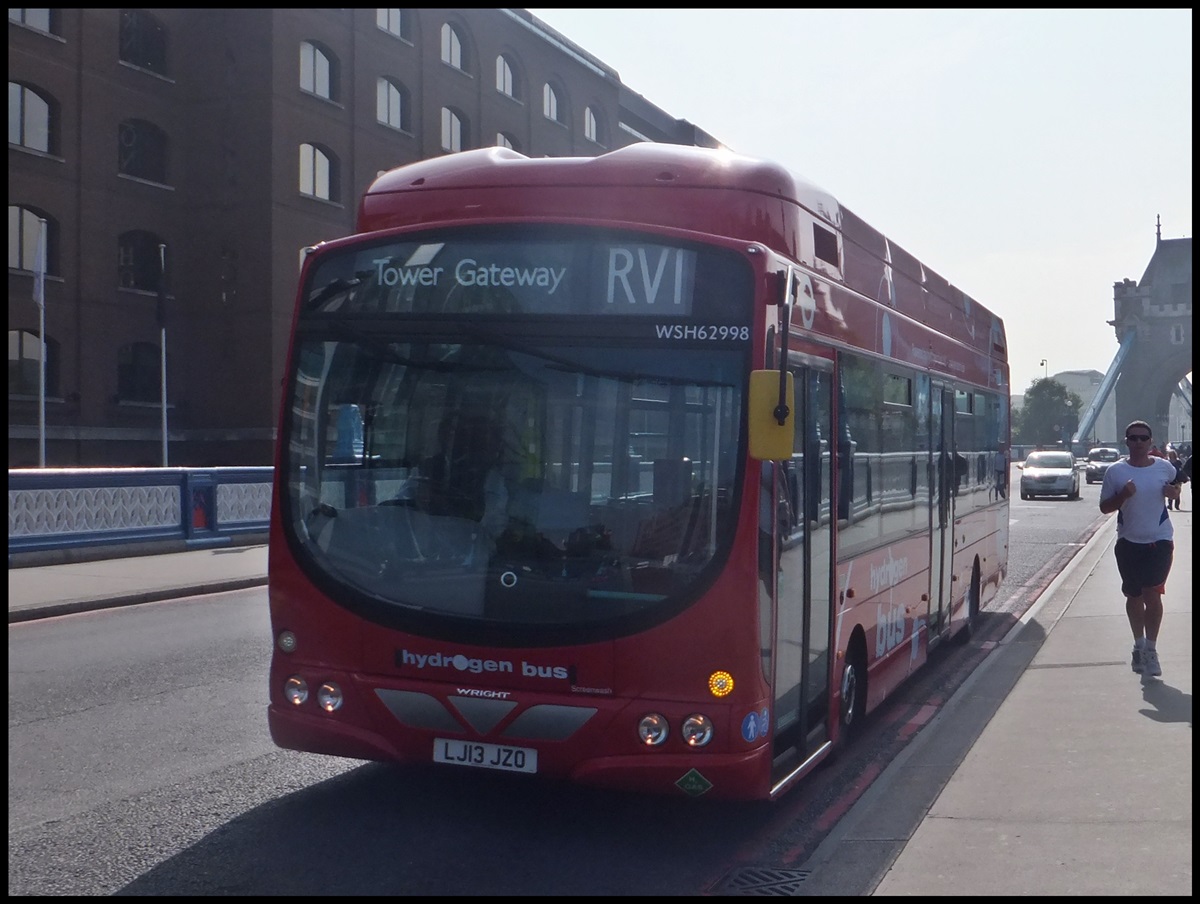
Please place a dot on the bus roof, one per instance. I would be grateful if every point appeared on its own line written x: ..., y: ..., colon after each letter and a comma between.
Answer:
x: 667, y: 186
x: 645, y: 163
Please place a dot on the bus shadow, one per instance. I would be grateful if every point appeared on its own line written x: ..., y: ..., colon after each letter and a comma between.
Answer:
x: 382, y: 829
x: 385, y: 829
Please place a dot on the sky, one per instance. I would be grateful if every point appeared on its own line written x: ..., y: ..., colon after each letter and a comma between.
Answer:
x: 1024, y: 155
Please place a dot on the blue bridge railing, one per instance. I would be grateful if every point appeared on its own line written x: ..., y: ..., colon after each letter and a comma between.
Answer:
x: 110, y: 512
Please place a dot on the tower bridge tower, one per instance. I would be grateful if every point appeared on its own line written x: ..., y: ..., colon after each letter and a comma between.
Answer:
x: 1153, y: 323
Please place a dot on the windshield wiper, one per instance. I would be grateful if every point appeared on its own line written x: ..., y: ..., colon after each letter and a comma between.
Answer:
x: 332, y: 288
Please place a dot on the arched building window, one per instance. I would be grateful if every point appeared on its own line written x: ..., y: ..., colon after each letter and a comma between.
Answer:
x: 593, y: 127
x: 143, y: 41
x: 550, y: 106
x: 452, y: 47
x: 454, y: 131
x: 392, y: 104
x: 24, y: 364
x: 23, y: 236
x: 507, y: 81
x: 142, y: 151
x: 318, y: 70
x: 46, y: 20
x: 32, y: 119
x: 139, y: 377
x: 318, y: 173
x: 139, y: 262
x: 394, y: 22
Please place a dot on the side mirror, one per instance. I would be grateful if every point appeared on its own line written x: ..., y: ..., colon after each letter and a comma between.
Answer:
x: 770, y: 440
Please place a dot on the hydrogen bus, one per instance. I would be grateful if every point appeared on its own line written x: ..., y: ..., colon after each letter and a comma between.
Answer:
x: 732, y: 474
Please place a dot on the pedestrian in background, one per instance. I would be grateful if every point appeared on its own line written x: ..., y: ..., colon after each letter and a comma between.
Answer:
x: 1187, y: 474
x: 1135, y: 488
x: 1180, y: 477
x: 1000, y: 470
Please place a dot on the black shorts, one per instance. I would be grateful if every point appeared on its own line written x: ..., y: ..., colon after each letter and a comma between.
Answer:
x: 1143, y: 565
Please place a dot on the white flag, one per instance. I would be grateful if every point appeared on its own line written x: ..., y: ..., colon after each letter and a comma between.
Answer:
x: 39, y: 266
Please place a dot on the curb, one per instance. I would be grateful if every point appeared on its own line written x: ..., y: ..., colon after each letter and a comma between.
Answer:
x: 71, y: 607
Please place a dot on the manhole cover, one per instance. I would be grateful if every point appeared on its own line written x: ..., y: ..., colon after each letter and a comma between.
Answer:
x: 756, y: 880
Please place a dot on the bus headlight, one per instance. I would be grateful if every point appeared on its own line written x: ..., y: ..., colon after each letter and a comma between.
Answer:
x: 329, y: 696
x: 653, y: 729
x: 697, y: 730
x: 295, y: 690
x: 286, y: 641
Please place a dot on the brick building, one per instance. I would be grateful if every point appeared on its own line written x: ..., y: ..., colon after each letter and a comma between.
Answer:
x: 224, y: 142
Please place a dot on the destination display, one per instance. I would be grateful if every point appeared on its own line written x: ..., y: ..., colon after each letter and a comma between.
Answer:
x: 592, y: 276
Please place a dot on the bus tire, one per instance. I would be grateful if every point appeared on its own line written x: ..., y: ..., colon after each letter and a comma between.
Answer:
x: 853, y: 687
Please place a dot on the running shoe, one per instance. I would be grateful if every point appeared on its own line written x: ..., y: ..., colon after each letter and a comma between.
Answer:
x: 1150, y: 664
x: 1136, y: 663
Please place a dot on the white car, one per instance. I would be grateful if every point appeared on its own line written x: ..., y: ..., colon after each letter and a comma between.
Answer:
x: 1049, y: 474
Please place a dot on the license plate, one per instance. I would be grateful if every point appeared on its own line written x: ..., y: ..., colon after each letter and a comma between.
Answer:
x: 484, y: 756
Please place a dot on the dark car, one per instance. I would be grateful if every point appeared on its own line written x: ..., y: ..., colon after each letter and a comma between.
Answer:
x: 1098, y: 460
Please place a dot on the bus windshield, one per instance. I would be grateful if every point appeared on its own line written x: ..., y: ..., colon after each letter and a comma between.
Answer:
x: 505, y: 469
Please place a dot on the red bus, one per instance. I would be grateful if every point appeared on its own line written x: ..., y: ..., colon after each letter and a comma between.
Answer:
x: 657, y: 470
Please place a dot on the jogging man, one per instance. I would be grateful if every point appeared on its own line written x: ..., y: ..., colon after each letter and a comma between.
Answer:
x: 1135, y: 488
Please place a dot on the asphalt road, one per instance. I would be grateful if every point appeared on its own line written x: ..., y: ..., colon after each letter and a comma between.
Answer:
x: 139, y: 763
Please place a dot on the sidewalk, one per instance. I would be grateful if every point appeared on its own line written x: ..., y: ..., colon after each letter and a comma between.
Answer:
x: 46, y: 590
x: 1054, y: 770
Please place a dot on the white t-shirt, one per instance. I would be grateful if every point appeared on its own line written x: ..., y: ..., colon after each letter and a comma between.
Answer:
x: 1143, y: 518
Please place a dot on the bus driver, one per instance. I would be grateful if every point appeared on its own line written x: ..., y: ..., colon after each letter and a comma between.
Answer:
x: 463, y: 477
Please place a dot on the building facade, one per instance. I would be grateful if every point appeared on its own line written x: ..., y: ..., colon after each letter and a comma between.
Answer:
x: 182, y: 159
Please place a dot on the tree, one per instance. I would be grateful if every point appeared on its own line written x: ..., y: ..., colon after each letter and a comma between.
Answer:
x: 1050, y: 414
x: 1018, y: 424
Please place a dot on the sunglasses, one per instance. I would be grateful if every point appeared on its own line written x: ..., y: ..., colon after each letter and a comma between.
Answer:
x: 1137, y: 437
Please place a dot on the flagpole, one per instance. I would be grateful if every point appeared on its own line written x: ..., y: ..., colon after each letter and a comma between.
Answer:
x: 162, y: 355
x: 42, y: 387
x: 39, y: 297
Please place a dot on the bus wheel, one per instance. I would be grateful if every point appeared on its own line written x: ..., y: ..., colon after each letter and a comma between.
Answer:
x: 972, y: 616
x: 854, y: 689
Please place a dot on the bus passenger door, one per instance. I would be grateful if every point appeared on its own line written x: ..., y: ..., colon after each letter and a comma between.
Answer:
x: 803, y: 524
x: 942, y: 482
